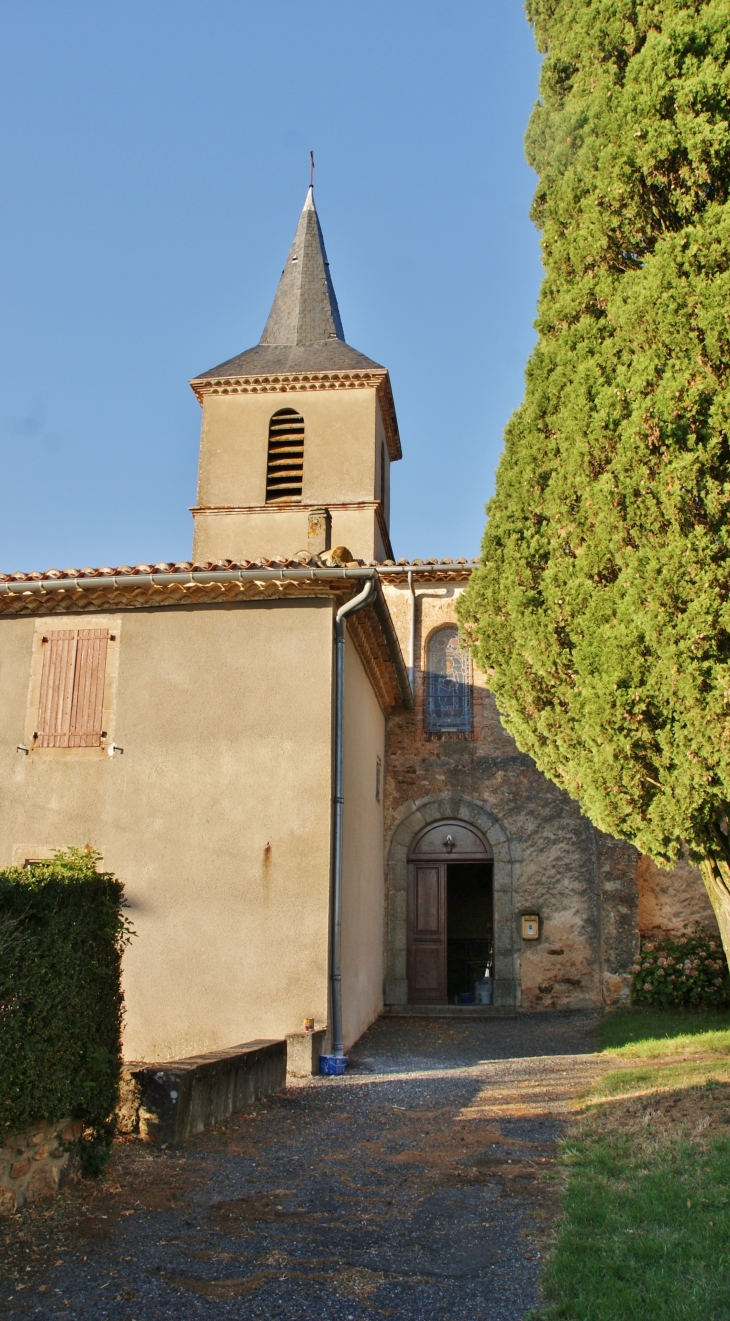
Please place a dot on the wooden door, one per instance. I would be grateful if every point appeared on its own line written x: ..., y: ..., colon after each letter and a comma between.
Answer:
x: 427, y: 933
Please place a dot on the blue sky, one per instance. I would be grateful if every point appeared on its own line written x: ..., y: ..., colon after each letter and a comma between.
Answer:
x: 154, y: 163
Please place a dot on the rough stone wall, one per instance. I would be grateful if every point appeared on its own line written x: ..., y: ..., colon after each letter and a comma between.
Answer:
x: 619, y: 914
x: 34, y: 1163
x: 564, y: 868
x: 673, y: 898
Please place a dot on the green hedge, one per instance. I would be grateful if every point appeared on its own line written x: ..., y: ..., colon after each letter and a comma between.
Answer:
x: 62, y: 932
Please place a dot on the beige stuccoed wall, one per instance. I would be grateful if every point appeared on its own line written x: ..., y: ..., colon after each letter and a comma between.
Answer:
x: 217, y: 815
x: 362, y: 879
x: 266, y: 533
x: 342, y: 437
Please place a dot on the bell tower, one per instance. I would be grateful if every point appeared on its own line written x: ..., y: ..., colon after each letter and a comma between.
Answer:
x: 299, y: 432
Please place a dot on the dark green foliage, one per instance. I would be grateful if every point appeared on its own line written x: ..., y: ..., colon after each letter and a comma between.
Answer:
x: 688, y: 969
x: 601, y: 611
x: 62, y: 931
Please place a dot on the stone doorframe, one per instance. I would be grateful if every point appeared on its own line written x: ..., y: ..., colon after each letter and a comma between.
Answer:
x: 409, y: 822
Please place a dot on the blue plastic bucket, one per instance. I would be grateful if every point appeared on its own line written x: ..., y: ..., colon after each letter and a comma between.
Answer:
x: 333, y: 1065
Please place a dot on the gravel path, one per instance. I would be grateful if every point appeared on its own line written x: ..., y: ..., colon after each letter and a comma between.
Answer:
x: 415, y: 1187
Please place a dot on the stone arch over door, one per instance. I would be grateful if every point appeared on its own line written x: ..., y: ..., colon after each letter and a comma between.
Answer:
x: 410, y: 821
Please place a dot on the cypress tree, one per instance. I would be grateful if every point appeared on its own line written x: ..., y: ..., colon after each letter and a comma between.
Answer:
x: 601, y: 609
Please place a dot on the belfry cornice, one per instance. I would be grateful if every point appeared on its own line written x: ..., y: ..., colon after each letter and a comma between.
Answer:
x: 304, y: 382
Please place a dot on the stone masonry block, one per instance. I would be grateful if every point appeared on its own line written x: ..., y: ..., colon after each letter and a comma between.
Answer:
x: 474, y: 813
x: 395, y: 991
x: 43, y: 1182
x: 398, y: 852
x: 396, y: 967
x: 303, y: 1050
x: 398, y: 875
x: 431, y: 811
x: 404, y: 812
x: 503, y: 877
x: 397, y: 904
x: 506, y: 991
x: 497, y: 836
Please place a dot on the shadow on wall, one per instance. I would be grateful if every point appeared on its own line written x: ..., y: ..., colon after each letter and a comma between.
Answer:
x: 673, y: 898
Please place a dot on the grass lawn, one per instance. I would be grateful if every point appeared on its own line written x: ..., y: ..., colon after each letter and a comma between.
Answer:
x: 645, y: 1231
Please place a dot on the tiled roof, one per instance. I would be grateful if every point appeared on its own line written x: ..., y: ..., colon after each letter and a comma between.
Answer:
x: 303, y: 560
x: 303, y: 332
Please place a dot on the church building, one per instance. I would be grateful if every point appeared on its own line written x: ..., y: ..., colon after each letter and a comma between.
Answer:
x: 283, y: 751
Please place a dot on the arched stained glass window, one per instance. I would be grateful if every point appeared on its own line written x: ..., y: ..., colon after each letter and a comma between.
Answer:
x: 448, y: 684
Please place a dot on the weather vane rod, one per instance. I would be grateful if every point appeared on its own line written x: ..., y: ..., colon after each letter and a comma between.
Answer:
x: 311, y: 170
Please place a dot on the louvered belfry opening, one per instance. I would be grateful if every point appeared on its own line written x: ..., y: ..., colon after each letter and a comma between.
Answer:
x: 285, y: 464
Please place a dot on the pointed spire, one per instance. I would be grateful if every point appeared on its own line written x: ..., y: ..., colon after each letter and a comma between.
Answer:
x: 305, y: 308
x: 304, y: 331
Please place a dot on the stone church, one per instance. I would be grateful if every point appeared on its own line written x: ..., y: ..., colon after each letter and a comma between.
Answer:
x: 283, y: 751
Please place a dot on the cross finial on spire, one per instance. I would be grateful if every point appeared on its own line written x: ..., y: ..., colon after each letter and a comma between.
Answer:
x: 311, y: 169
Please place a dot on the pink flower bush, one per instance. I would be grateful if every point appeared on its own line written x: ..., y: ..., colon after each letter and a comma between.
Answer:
x: 685, y: 969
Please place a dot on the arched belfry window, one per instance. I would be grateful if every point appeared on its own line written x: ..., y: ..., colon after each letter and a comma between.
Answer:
x: 448, y: 684
x: 285, y: 462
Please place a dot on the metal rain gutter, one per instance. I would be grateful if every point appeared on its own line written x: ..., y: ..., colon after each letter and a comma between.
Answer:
x: 335, y: 1063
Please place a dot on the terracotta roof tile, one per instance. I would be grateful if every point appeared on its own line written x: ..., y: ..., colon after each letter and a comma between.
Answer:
x: 302, y: 560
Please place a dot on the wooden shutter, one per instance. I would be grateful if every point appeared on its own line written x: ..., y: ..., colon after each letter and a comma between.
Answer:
x: 54, y: 711
x: 72, y: 688
x: 88, y: 690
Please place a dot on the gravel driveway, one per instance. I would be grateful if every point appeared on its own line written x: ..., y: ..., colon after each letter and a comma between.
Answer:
x: 415, y: 1187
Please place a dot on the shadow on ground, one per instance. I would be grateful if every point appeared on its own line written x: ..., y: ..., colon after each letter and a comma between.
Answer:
x: 416, y: 1187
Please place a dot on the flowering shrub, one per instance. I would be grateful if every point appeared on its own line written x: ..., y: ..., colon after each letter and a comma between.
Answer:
x: 687, y: 969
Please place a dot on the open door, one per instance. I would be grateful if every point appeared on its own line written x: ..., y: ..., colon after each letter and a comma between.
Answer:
x: 435, y: 853
x: 427, y: 929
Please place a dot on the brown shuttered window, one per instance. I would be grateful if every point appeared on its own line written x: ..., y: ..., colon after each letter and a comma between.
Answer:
x: 72, y: 688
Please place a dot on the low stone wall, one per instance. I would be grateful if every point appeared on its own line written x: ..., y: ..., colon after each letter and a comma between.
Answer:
x: 34, y: 1163
x: 169, y: 1102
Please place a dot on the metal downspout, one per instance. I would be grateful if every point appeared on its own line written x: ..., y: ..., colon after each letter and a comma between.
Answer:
x: 351, y: 607
x: 412, y: 638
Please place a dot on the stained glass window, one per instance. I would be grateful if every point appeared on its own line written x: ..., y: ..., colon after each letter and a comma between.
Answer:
x: 448, y: 684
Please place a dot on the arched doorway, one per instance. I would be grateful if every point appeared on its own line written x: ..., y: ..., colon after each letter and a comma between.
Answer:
x: 450, y: 913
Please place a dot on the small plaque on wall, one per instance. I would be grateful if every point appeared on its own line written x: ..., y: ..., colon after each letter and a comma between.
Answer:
x: 530, y: 926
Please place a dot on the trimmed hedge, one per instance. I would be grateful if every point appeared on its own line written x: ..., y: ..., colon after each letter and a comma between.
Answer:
x: 62, y: 932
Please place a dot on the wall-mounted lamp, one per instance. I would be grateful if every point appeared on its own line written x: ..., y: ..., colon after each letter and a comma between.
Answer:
x: 114, y: 747
x: 22, y: 748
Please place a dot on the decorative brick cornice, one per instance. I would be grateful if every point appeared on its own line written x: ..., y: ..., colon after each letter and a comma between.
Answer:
x: 303, y: 382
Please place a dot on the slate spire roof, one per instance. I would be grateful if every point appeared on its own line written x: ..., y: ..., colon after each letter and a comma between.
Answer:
x: 305, y: 308
x: 303, y: 331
